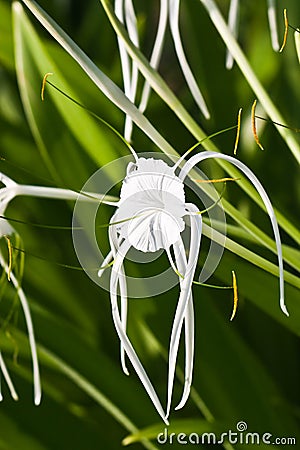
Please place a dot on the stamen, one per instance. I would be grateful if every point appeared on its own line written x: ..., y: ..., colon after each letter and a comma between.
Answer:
x: 235, y: 295
x: 297, y: 130
x: 215, y: 203
x: 211, y: 285
x: 95, y: 116
x: 9, y: 267
x: 253, y: 123
x: 286, y: 30
x: 66, y: 266
x: 44, y: 84
x: 238, y: 130
x: 181, y: 159
x: 218, y: 180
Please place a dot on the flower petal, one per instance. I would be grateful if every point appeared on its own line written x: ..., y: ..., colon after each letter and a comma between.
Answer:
x: 273, y: 24
x: 115, y: 276
x: 114, y: 245
x: 254, y: 180
x: 28, y: 320
x: 185, y: 291
x: 191, y: 82
x: 233, y: 24
x: 157, y: 50
x: 181, y: 262
x: 4, y: 371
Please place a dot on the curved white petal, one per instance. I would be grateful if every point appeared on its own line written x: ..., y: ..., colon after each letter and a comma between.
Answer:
x: 114, y: 245
x: 4, y: 371
x: 157, y: 50
x: 106, y: 261
x: 273, y: 24
x: 28, y: 320
x: 125, y: 61
x: 233, y: 24
x: 189, y: 327
x: 254, y: 180
x: 174, y: 24
x: 131, y: 23
x: 115, y: 275
x: 185, y: 291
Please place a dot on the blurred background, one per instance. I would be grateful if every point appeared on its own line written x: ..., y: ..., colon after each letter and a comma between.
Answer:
x: 247, y: 369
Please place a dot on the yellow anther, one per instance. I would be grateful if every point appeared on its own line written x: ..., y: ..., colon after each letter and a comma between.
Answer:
x: 286, y: 30
x: 44, y: 84
x: 253, y: 122
x: 218, y: 180
x: 238, y: 131
x: 9, y: 246
x: 235, y: 295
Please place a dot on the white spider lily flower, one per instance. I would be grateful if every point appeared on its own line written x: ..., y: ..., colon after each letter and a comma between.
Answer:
x: 233, y: 23
x: 153, y: 196
x: 151, y: 215
x: 10, y: 190
x: 124, y: 10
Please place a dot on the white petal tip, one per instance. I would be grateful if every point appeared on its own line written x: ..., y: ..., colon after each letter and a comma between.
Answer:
x: 124, y: 367
x: 15, y: 397
x: 284, y: 309
x: 205, y: 113
x: 165, y: 419
x: 185, y: 396
x: 276, y: 46
x: 37, y: 400
x: 37, y: 393
x: 181, y: 404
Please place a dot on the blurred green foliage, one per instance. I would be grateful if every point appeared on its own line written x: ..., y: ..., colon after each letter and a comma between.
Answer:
x: 246, y: 370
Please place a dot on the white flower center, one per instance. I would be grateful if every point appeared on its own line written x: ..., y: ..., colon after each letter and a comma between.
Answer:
x: 152, y: 199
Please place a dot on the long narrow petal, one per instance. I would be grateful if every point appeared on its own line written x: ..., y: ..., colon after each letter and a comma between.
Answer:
x: 115, y: 274
x: 233, y: 24
x: 254, y: 180
x: 185, y: 291
x: 131, y: 23
x: 189, y: 328
x: 114, y: 245
x: 4, y: 371
x: 107, y: 260
x: 125, y: 61
x: 174, y: 24
x: 273, y: 24
x: 157, y: 50
x: 28, y: 320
